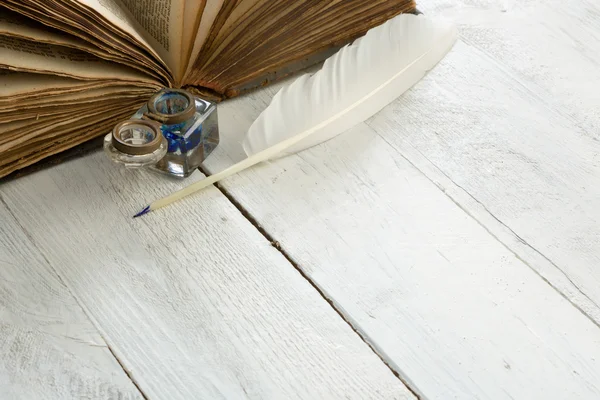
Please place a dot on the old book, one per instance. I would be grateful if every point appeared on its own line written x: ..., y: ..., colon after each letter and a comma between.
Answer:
x: 71, y: 69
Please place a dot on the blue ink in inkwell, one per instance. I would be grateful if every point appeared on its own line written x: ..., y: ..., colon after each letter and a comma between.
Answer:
x: 173, y: 133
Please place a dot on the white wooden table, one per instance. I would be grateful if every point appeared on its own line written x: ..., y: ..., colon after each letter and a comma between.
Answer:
x: 448, y: 248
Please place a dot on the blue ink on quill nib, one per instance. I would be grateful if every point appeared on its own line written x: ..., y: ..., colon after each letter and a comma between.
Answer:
x: 143, y: 212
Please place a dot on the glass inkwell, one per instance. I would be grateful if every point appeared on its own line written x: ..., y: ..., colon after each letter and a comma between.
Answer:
x: 173, y: 133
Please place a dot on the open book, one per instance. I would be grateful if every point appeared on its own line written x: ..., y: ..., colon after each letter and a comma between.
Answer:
x: 71, y: 69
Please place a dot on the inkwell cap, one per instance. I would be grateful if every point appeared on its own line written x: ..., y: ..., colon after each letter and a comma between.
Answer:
x: 171, y: 106
x: 137, y: 137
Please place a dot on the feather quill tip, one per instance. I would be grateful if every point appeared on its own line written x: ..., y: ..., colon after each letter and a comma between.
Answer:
x: 351, y: 86
x: 143, y: 212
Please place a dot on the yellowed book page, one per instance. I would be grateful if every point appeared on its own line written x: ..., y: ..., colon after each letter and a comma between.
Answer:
x: 115, y: 13
x: 24, y: 55
x: 211, y: 10
x: 16, y: 25
x: 19, y: 116
x: 33, y: 138
x: 13, y: 131
x: 88, y: 96
x: 79, y: 133
x: 13, y: 84
x: 191, y: 23
x: 44, y: 130
x: 52, y: 111
x: 26, y: 87
x: 161, y: 23
x: 77, y: 20
x: 8, y: 130
x: 237, y: 21
x: 12, y: 126
x: 14, y: 134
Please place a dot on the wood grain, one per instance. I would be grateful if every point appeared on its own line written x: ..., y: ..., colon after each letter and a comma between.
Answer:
x: 48, y: 347
x: 457, y: 231
x: 512, y: 129
x: 551, y: 47
x: 195, y: 302
x: 454, y: 310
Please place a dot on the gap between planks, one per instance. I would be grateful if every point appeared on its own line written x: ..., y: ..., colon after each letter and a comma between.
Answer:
x: 230, y: 373
x: 252, y: 220
x: 458, y: 202
x: 25, y: 232
x: 125, y: 370
x: 512, y: 243
x: 498, y: 38
x: 457, y: 191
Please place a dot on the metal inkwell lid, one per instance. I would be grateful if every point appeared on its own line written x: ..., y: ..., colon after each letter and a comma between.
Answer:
x: 136, y: 143
x: 173, y: 132
x: 137, y: 137
x: 171, y: 106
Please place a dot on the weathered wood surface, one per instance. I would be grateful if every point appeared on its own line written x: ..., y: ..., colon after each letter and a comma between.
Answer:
x: 49, y: 349
x: 435, y: 227
x: 520, y: 133
x: 457, y: 231
x: 194, y: 301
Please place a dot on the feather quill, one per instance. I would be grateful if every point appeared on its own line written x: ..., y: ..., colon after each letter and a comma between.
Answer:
x: 353, y: 85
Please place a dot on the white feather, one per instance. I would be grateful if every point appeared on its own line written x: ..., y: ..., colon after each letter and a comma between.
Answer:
x: 354, y: 84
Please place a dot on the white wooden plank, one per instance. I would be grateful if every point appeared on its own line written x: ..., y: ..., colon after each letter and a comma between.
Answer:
x: 194, y: 301
x: 452, y: 309
x: 551, y: 47
x: 48, y: 347
x: 519, y: 144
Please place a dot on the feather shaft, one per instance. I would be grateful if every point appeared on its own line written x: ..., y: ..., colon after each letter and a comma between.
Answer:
x: 354, y: 84
x: 234, y: 169
x: 269, y: 136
